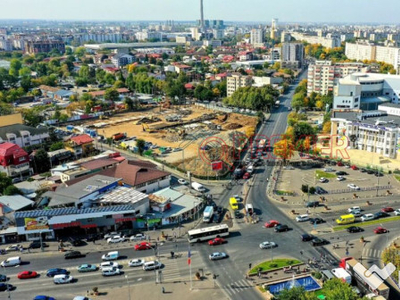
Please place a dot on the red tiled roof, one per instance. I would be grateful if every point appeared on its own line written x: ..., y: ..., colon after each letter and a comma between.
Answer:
x: 82, y: 139
x: 99, y: 163
x: 189, y: 86
x: 11, y: 149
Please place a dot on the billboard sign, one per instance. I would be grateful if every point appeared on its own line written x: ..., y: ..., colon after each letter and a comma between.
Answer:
x: 38, y: 223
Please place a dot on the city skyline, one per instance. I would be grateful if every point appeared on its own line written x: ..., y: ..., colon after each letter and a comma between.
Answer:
x: 339, y: 11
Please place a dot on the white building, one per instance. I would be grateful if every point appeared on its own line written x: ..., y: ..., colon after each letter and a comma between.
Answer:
x: 121, y: 60
x: 195, y: 33
x: 324, y: 75
x: 218, y: 34
x: 328, y: 42
x: 257, y: 37
x: 373, y: 131
x: 236, y: 81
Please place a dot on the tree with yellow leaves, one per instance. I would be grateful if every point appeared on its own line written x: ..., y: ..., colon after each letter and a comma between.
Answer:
x: 284, y: 149
x: 250, y: 131
x: 327, y: 127
x: 319, y: 104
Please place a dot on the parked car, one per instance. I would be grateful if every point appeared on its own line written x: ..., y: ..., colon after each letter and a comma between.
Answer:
x: 143, y: 246
x: 182, y: 181
x: 317, y: 220
x: 14, y: 247
x: 387, y: 209
x: 354, y: 167
x: 340, y: 178
x: 267, y: 245
x: 77, y: 242
x: 319, y: 242
x: 281, y: 227
x: 271, y: 223
x: 353, y: 186
x: 312, y: 204
x: 379, y: 174
x: 369, y: 171
x: 320, y: 191
x: 27, y: 274
x: 37, y: 245
x: 111, y: 234
x: 55, y: 271
x: 307, y: 237
x: 86, y: 268
x: 341, y: 173
x: 367, y: 217
x: 238, y: 214
x: 217, y: 241
x: 138, y: 237
x: 136, y: 262
x: 363, y: 170
x: 353, y: 229
x: 115, y: 239
x: 380, y: 230
x: 397, y: 212
x: 381, y: 214
x: 246, y: 175
x: 152, y: 265
x: 323, y: 180
x: 340, y: 164
x: 217, y: 255
x: 73, y: 254
x: 302, y: 218
x: 43, y: 297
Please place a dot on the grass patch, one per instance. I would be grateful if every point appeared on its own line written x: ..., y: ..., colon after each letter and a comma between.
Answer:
x: 274, y: 264
x: 319, y: 174
x: 284, y: 193
x: 367, y: 223
x: 397, y: 177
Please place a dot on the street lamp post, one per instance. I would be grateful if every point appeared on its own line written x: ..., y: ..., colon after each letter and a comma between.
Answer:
x: 129, y: 287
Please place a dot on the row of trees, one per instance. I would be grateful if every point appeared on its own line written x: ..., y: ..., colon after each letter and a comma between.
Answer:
x: 314, y: 100
x: 320, y: 52
x: 253, y: 97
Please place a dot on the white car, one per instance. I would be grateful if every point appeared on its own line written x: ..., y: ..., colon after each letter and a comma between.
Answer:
x: 115, y: 239
x: 302, y: 218
x: 397, y: 212
x: 14, y: 247
x: 340, y: 178
x: 182, y: 181
x: 354, y: 209
x: 250, y: 169
x: 138, y: 237
x: 111, y: 234
x: 323, y: 179
x: 81, y: 298
x: 217, y: 255
x: 353, y: 186
x: 63, y: 278
x: 367, y: 217
x: 267, y: 245
x: 136, y: 262
x: 108, y: 264
x: 110, y: 271
x: 356, y: 213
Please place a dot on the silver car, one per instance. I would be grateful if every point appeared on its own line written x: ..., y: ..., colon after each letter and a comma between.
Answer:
x: 217, y: 255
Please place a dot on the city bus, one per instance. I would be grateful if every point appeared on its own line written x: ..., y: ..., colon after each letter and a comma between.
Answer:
x: 207, y: 233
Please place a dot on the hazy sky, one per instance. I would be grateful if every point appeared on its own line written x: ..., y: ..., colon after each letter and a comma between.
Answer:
x: 380, y: 11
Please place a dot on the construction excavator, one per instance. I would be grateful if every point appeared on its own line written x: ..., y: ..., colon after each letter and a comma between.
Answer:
x: 147, y: 128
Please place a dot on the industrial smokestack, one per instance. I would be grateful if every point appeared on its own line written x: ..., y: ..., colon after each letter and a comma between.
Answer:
x: 202, y: 16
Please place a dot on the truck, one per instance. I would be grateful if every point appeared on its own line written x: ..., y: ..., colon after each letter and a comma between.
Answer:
x: 342, y: 274
x: 198, y: 187
x: 118, y: 136
x: 207, y: 214
x: 249, y: 209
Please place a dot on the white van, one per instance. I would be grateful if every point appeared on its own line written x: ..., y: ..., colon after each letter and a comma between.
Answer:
x: 342, y: 274
x: 11, y: 262
x: 151, y: 265
x: 110, y: 271
x: 63, y: 278
x: 198, y: 187
x: 110, y: 255
x: 249, y: 209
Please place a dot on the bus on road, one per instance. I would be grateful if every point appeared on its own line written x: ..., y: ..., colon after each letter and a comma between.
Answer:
x: 208, y: 233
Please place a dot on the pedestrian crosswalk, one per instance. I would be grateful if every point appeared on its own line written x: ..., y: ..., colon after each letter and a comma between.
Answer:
x: 373, y: 253
x: 238, y: 287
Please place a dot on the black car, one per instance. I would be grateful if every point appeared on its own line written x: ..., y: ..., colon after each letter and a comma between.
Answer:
x: 317, y: 220
x: 320, y: 191
x: 37, y: 245
x: 238, y: 214
x: 56, y: 271
x: 353, y: 229
x: 363, y: 170
x: 5, y: 287
x: 378, y: 174
x: 281, y: 227
x: 3, y: 278
x: 77, y: 242
x: 312, y: 204
x: 73, y: 254
x: 370, y: 171
x: 220, y: 209
x: 319, y: 242
x: 341, y: 173
x: 307, y: 237
x: 381, y: 214
x: 215, y: 218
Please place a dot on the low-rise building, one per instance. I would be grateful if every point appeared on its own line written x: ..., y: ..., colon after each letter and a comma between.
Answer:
x: 81, y: 145
x: 236, y: 81
x: 121, y: 60
x: 14, y: 161
x: 23, y: 135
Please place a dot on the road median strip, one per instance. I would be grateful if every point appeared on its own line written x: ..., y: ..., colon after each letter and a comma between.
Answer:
x: 367, y: 223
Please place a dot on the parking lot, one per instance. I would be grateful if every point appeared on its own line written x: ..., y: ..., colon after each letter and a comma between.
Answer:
x: 326, y: 180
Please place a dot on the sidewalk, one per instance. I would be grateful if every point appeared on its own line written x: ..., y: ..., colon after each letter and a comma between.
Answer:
x: 202, y: 290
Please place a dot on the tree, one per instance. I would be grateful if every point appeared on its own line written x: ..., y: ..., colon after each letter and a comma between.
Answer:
x: 80, y: 52
x: 15, y: 66
x: 335, y: 289
x: 11, y: 190
x: 295, y: 293
x: 327, y: 127
x: 319, y: 104
x: 129, y: 103
x: 140, y: 143
x: 284, y: 149
x: 5, y: 181
x: 41, y: 161
x: 298, y: 101
x: 32, y: 116
x: 111, y: 94
x: 302, y: 130
x: 25, y: 71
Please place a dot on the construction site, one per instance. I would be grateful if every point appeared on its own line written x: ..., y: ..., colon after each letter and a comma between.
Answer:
x: 188, y: 138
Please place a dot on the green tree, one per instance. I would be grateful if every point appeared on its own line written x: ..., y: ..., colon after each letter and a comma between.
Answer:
x: 15, y: 66
x: 295, y: 293
x: 335, y: 289
x: 5, y: 181
x: 80, y: 52
x: 41, y: 161
x: 129, y: 103
x: 57, y: 146
x: 32, y: 116
x: 298, y: 100
x: 12, y: 190
x: 111, y: 94
x: 302, y: 129
x: 140, y: 143
x: 25, y: 71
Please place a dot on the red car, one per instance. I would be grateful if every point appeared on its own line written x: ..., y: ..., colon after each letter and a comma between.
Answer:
x: 340, y: 164
x: 143, y: 246
x: 271, y: 223
x: 27, y: 274
x: 246, y: 175
x: 216, y: 241
x: 380, y: 230
x: 354, y: 167
x: 387, y: 209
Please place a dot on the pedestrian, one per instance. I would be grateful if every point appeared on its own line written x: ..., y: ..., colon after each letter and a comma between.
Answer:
x: 163, y: 290
x: 94, y: 241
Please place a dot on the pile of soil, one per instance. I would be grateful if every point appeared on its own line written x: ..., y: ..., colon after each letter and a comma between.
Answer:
x: 232, y: 126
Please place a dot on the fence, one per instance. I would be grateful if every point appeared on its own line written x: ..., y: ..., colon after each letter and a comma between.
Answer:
x: 363, y: 189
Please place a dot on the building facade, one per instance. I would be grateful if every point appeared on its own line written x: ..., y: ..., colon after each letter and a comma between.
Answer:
x: 33, y: 47
x: 328, y: 42
x: 293, y: 52
x: 257, y: 37
x: 236, y: 81
x: 14, y: 161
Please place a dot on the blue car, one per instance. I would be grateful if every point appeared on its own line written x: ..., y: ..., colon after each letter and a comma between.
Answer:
x: 56, y: 271
x: 42, y: 297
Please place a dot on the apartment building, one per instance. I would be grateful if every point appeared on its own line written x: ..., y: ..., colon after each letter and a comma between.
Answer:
x: 367, y: 51
x: 374, y: 131
x: 236, y: 81
x: 257, y: 37
x: 366, y: 91
x: 33, y: 47
x: 328, y: 42
x: 293, y: 52
x: 324, y: 75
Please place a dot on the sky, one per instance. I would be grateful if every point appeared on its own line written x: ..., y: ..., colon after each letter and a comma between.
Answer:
x: 329, y: 11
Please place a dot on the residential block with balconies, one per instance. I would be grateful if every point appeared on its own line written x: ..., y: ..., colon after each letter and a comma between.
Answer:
x: 14, y: 161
